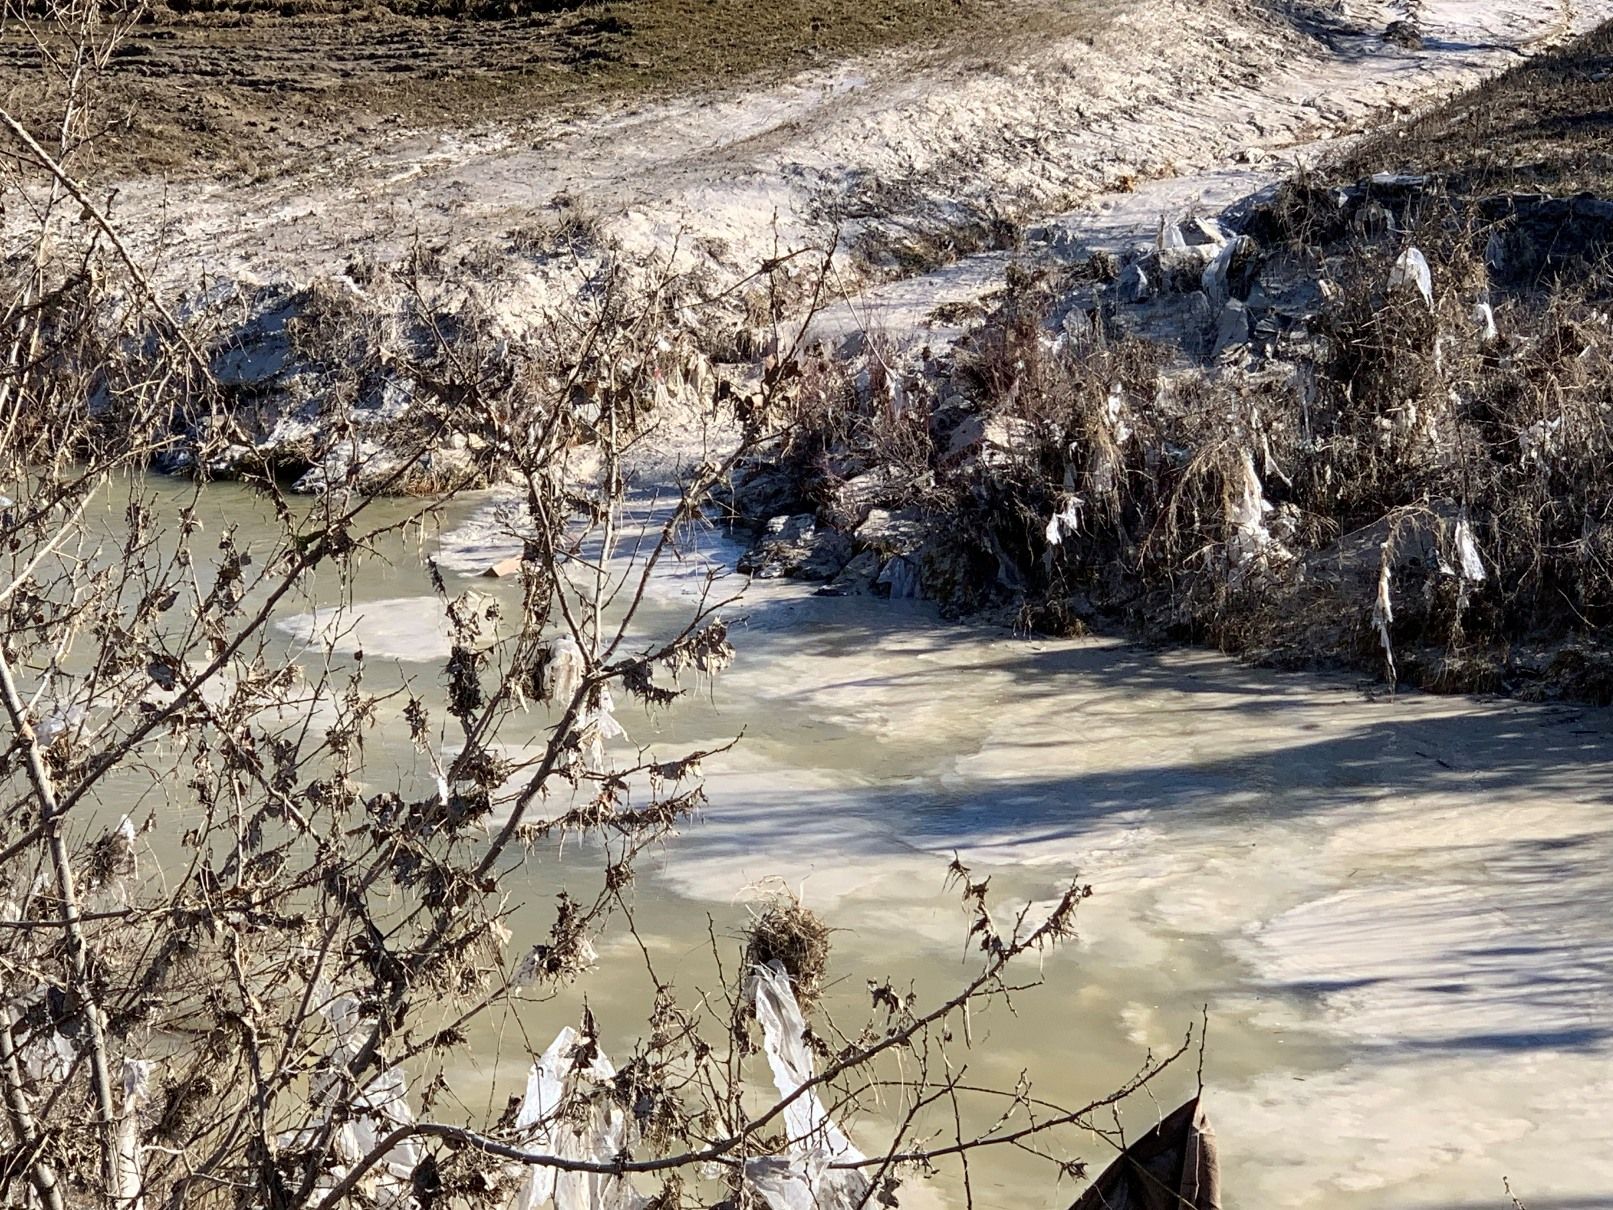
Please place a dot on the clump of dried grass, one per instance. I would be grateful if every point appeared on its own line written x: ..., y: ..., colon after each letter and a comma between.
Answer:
x: 790, y: 933
x: 1390, y: 427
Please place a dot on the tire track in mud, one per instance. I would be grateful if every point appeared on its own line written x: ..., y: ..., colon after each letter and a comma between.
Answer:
x: 1258, y: 135
x: 1170, y: 105
x: 897, y: 142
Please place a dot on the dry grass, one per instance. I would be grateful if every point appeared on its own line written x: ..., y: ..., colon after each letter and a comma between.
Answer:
x: 792, y: 935
x: 1416, y: 433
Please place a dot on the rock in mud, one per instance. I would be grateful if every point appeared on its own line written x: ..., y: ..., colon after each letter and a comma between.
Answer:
x: 1288, y: 283
x: 1181, y: 270
x: 763, y: 491
x: 893, y: 533
x: 994, y: 439
x: 1134, y: 285
x: 856, y: 579
x: 1404, y: 34
x: 796, y: 546
x: 1231, y: 330
x: 1180, y: 320
x: 851, y: 499
x: 899, y: 579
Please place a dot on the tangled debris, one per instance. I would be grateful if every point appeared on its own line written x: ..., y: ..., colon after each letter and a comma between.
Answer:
x: 793, y: 936
x: 1363, y: 424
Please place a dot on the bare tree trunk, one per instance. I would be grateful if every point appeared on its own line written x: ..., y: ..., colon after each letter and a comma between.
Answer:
x: 40, y: 1173
x: 77, y: 949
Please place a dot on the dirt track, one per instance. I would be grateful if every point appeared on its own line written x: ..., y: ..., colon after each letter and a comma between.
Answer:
x: 1105, y: 115
x: 243, y: 92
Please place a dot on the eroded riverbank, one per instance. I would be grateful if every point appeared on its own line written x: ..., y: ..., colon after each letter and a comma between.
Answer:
x: 1386, y: 907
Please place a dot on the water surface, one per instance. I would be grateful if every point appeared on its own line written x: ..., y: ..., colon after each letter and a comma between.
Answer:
x: 1393, y: 910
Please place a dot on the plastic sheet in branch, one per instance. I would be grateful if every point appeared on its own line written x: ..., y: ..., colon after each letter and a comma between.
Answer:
x: 802, y: 1178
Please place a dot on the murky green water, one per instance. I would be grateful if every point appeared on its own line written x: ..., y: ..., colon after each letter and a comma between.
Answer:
x: 1393, y: 911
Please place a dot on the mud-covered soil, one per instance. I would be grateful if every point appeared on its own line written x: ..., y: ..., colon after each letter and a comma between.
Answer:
x: 246, y: 88
x: 1546, y: 127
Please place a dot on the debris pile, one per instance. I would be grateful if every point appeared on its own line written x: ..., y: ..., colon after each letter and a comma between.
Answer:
x: 1364, y: 424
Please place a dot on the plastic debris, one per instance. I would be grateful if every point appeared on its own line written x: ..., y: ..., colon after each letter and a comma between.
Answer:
x: 1066, y: 520
x: 1246, y: 515
x: 380, y: 1107
x: 1199, y: 232
x: 1170, y: 235
x: 896, y: 398
x: 1383, y: 613
x: 58, y: 723
x: 504, y: 568
x: 530, y: 970
x: 126, y: 1168
x: 116, y: 863
x: 1175, y: 1165
x: 1114, y: 414
x: 1495, y: 253
x: 1484, y: 321
x: 1373, y: 221
x: 563, y: 670
x: 1105, y: 468
x: 597, y: 726
x: 1218, y: 274
x: 1539, y: 441
x: 551, y: 1122
x: 802, y: 1178
x: 1398, y: 180
x: 1467, y: 554
x: 1411, y: 271
x: 47, y: 1055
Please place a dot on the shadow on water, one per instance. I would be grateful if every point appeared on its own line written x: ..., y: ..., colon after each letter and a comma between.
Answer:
x: 1491, y: 821
x: 1331, y: 742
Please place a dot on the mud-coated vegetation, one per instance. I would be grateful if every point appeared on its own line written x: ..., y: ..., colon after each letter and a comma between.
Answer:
x: 1368, y: 426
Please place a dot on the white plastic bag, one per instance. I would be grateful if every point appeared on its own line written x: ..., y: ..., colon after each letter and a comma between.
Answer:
x: 1411, y: 271
x: 800, y: 1179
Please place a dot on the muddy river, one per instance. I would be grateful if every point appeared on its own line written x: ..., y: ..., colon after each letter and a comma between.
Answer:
x: 1394, y: 910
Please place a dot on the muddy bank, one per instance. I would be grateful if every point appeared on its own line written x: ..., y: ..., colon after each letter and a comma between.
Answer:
x: 328, y: 296
x: 1167, y: 434
x: 1355, y: 421
x: 911, y: 157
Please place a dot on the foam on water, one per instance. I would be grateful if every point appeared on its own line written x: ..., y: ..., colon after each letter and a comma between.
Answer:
x: 1394, y: 909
